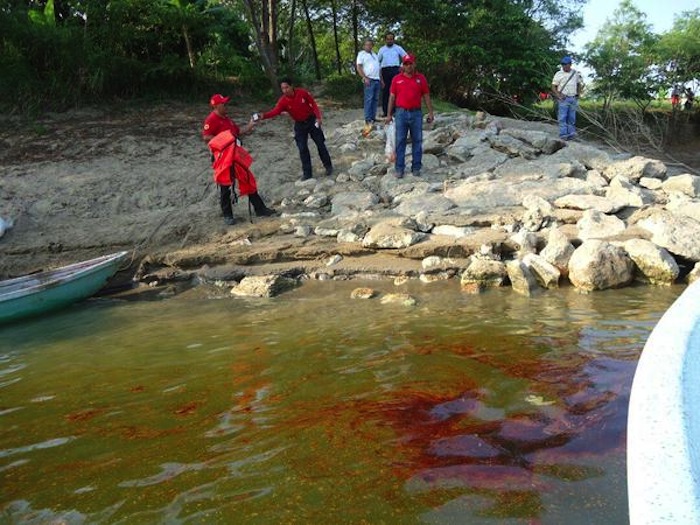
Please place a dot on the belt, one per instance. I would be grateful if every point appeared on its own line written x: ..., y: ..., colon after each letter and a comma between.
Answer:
x: 408, y: 109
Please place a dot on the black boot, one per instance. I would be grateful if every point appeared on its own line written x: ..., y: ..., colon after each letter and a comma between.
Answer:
x: 259, y: 206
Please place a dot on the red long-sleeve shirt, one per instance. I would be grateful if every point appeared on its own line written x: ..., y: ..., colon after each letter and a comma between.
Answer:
x: 300, y: 106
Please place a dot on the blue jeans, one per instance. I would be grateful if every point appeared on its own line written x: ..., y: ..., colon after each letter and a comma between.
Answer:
x: 567, y: 117
x: 371, y: 100
x: 409, y: 120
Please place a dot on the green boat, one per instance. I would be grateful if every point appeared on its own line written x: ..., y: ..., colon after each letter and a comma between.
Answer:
x: 53, y: 289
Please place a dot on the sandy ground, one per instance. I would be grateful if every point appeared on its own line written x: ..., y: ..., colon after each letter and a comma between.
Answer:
x: 90, y: 182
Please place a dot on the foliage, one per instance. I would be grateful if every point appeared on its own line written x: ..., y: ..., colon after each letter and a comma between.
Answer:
x: 679, y: 48
x: 624, y: 57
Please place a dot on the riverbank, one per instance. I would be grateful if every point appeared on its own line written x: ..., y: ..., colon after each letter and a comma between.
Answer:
x: 85, y: 183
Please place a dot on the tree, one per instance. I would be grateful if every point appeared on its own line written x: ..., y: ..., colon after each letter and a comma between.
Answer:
x: 623, y: 57
x: 679, y: 48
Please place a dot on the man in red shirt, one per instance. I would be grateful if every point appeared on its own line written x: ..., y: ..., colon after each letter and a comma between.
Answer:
x: 408, y: 89
x: 302, y: 108
x: 216, y: 122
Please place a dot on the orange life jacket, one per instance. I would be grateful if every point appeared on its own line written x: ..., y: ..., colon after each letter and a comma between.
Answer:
x: 228, y: 157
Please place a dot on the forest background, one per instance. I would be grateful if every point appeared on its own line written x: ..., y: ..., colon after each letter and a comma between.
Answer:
x: 480, y: 54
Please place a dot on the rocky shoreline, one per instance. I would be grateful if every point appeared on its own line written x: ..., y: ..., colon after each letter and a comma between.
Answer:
x: 501, y: 202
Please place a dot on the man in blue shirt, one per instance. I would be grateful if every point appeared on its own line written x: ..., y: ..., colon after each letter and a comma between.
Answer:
x: 390, y: 56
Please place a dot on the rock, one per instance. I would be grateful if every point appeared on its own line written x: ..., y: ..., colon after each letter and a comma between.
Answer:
x: 694, y: 274
x: 434, y: 277
x: 535, y: 202
x: 678, y: 234
x: 429, y: 203
x: 400, y: 280
x: 351, y: 202
x: 521, y: 278
x: 624, y: 193
x: 684, y: 206
x: 597, y: 225
x: 398, y: 298
x: 263, y: 286
x: 463, y: 147
x: 525, y: 241
x: 432, y: 262
x: 484, y: 272
x: 588, y: 202
x: 334, y: 259
x: 389, y: 235
x: 687, y: 184
x: 546, y: 273
x: 635, y: 168
x: 537, y: 139
x: 316, y: 201
x: 303, y: 230
x: 362, y: 293
x: 655, y: 264
x: 453, y: 231
x: 360, y: 168
x: 651, y: 183
x: 598, y: 265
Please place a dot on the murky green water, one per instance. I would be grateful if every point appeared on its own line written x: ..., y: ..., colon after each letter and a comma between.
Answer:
x: 315, y: 408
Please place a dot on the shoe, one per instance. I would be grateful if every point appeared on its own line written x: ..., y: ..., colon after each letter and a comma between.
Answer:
x: 230, y: 221
x: 329, y: 171
x: 266, y: 212
x: 305, y: 177
x: 366, y: 130
x: 398, y: 174
x: 416, y: 173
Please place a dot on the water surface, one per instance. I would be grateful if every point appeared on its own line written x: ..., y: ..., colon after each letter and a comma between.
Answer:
x: 315, y: 408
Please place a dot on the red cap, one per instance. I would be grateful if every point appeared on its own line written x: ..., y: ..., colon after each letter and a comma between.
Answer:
x: 218, y: 99
x: 409, y: 59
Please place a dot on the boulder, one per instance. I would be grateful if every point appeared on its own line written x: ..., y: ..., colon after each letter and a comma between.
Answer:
x: 263, y: 286
x: 654, y: 263
x: 388, y: 234
x: 484, y: 273
x: 597, y: 225
x: 558, y: 251
x: 677, y: 233
x: 521, y: 278
x: 687, y: 184
x: 598, y: 265
x: 546, y: 273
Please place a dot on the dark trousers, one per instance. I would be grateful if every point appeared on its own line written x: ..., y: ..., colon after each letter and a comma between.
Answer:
x: 302, y: 132
x: 388, y: 74
x: 225, y: 195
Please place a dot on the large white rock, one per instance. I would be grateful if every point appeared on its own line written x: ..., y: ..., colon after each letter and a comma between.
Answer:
x: 597, y: 225
x: 686, y: 183
x: 391, y: 235
x: 656, y: 265
x: 558, y: 250
x: 597, y: 265
x: 677, y: 233
x: 546, y: 273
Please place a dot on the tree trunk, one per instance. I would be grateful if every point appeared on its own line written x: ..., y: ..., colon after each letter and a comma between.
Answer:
x: 335, y: 38
x: 265, y: 28
x: 188, y: 45
x: 290, y: 48
x: 312, y: 38
x: 355, y: 26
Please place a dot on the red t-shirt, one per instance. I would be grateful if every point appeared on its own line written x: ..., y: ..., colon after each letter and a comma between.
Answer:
x: 409, y: 90
x: 215, y: 124
x: 300, y: 106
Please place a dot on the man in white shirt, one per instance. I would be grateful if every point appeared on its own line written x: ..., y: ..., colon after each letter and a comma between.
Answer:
x: 390, y: 56
x: 566, y: 87
x: 368, y: 68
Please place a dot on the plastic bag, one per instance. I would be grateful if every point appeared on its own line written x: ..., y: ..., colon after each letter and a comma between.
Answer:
x: 390, y: 147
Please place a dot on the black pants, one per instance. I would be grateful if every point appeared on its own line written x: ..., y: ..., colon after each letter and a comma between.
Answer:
x: 388, y: 74
x: 225, y: 195
x: 302, y: 132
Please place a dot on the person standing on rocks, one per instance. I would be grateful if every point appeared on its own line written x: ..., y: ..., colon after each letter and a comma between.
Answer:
x: 226, y: 149
x: 390, y: 56
x: 368, y: 68
x: 408, y: 89
x: 305, y: 113
x: 566, y: 86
